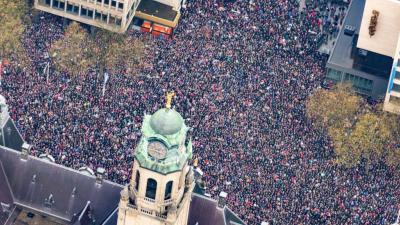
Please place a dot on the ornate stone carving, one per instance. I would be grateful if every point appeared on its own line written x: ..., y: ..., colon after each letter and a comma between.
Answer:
x: 124, y: 194
x: 173, y: 208
x: 189, y: 178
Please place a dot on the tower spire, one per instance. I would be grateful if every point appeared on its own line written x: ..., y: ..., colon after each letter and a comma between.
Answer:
x: 170, y: 96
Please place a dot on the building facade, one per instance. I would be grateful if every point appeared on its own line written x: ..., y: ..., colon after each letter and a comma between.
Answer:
x: 158, y: 17
x: 113, y: 15
x: 392, y: 98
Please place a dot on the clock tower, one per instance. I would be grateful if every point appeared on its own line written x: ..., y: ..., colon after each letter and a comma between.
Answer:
x: 160, y: 189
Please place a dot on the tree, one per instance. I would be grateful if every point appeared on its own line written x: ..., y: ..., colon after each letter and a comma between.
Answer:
x: 361, y: 134
x: 17, y: 8
x: 127, y: 53
x: 103, y: 50
x: 392, y: 154
x: 333, y: 108
x: 344, y: 155
x: 12, y: 28
x: 368, y: 141
x: 112, y: 51
x: 70, y: 54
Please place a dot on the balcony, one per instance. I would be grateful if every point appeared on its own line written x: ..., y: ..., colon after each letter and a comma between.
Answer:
x: 162, y: 216
x: 168, y: 201
x: 132, y: 206
x: 146, y: 211
x: 149, y: 200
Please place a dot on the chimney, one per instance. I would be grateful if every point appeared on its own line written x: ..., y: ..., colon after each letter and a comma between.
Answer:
x: 26, y: 149
x: 100, y: 175
x: 222, y: 199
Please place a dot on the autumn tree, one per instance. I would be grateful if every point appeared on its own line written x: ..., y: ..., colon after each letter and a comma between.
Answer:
x: 333, y: 108
x: 70, y: 54
x: 12, y: 15
x: 368, y: 141
x: 127, y: 54
x: 102, y: 50
x: 112, y: 51
x: 361, y: 134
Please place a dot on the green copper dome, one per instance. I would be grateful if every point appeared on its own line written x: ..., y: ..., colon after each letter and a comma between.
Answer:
x: 166, y: 121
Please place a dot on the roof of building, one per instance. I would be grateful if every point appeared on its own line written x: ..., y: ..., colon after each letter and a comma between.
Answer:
x: 346, y: 54
x: 157, y: 9
x: 5, y: 195
x: 170, y: 154
x: 12, y: 137
x: 166, y: 121
x: 387, y: 30
x: 341, y: 54
x: 210, y: 212
x: 33, y: 181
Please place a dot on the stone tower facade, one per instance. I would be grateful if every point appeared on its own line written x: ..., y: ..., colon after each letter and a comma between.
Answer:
x: 160, y: 190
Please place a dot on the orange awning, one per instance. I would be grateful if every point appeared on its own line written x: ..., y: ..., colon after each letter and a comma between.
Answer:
x: 146, y: 24
x: 162, y: 29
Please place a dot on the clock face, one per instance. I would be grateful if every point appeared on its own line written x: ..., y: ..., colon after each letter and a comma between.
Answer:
x: 157, y: 150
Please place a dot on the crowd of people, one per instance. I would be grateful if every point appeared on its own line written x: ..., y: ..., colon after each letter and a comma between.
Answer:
x: 241, y: 72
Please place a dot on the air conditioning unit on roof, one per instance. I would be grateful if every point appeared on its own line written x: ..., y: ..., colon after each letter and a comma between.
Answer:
x: 349, y: 30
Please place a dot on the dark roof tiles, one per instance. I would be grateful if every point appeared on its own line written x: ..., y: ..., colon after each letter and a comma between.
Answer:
x: 58, y: 182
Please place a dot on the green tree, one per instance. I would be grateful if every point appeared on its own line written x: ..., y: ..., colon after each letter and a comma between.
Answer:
x: 333, y: 108
x: 70, y: 54
x: 12, y: 15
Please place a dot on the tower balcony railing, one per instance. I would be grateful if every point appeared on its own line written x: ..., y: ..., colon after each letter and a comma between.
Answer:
x: 168, y: 201
x: 161, y: 216
x: 153, y: 213
x: 132, y: 206
x: 149, y: 212
x: 149, y: 200
x: 146, y: 211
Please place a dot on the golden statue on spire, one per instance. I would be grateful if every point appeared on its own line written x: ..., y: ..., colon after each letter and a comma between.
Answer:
x: 170, y: 96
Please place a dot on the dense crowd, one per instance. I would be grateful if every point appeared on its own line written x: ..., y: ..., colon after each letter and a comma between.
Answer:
x: 242, y: 72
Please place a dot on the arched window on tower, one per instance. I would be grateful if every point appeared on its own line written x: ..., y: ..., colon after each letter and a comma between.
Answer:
x: 137, y: 180
x: 151, y: 188
x: 168, y: 190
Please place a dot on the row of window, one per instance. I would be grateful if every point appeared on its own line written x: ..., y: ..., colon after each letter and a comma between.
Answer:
x: 334, y: 75
x: 151, y: 188
x: 87, y: 13
x: 396, y: 88
x: 114, y: 4
x: 361, y: 84
x: 397, y: 75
